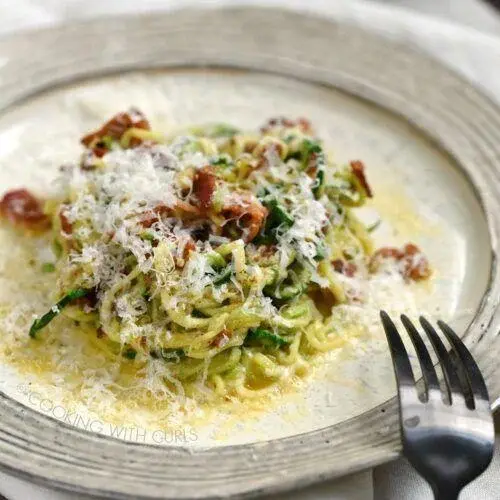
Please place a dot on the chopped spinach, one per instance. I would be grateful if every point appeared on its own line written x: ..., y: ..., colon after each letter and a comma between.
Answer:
x: 129, y: 353
x: 221, y: 161
x: 42, y: 322
x: 278, y: 218
x: 318, y: 183
x: 309, y: 147
x: 266, y: 338
x: 224, y: 276
x: 148, y: 236
x: 320, y: 252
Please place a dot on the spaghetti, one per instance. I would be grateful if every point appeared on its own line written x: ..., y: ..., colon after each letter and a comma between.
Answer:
x: 217, y: 254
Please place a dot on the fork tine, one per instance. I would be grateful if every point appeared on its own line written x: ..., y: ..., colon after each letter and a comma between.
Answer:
x: 450, y: 375
x: 426, y: 364
x: 400, y: 359
x: 472, y: 371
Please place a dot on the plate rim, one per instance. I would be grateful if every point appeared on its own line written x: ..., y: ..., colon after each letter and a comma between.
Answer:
x: 319, y: 29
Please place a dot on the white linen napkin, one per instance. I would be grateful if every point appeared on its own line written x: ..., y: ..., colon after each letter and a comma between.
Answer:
x: 475, y: 55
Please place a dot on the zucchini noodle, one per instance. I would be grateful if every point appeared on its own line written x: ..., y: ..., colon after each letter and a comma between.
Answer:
x: 214, y: 256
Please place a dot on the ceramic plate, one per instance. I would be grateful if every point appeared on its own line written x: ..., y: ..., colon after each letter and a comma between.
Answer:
x: 420, y: 127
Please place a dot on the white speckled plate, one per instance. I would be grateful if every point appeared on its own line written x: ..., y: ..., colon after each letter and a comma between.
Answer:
x: 405, y: 115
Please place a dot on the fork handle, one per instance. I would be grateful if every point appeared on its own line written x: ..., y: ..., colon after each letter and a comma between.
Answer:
x: 445, y: 494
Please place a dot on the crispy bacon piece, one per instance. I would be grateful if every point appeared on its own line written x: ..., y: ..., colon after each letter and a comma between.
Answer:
x: 189, y: 247
x: 248, y: 211
x: 413, y: 265
x: 181, y: 209
x: 66, y: 226
x: 266, y: 153
x: 281, y: 121
x: 268, y: 250
x: 222, y: 338
x: 204, y: 183
x: 115, y: 128
x: 386, y: 253
x: 250, y: 145
x: 149, y: 218
x: 347, y: 268
x: 323, y: 299
x: 358, y: 169
x: 312, y: 165
x: 20, y: 207
x: 416, y: 264
x: 99, y: 150
x: 186, y: 210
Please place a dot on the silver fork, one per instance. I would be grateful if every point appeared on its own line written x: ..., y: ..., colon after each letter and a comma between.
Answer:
x: 447, y: 435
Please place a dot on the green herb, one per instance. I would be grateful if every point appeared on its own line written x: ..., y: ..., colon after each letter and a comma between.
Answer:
x: 320, y: 252
x: 271, y: 275
x: 262, y: 193
x: 318, y: 184
x: 293, y: 286
x: 295, y: 155
x: 42, y: 322
x: 148, y: 236
x: 264, y: 337
x: 48, y: 267
x: 289, y: 291
x: 295, y: 311
x: 224, y: 276
x: 344, y: 192
x: 221, y: 161
x: 310, y: 147
x: 264, y: 239
x: 278, y: 217
x: 347, y: 189
x: 129, y: 353
x: 374, y: 226
x: 216, y: 260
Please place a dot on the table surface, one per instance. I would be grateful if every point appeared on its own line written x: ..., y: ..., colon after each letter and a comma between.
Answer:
x: 474, y: 13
